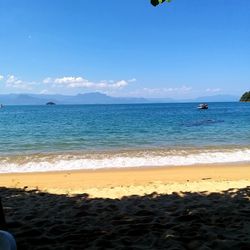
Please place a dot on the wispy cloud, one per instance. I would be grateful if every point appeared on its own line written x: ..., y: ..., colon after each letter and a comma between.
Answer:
x: 80, y: 82
x: 161, y: 92
x: 167, y: 90
x: 132, y: 80
x: 44, y: 91
x: 213, y: 90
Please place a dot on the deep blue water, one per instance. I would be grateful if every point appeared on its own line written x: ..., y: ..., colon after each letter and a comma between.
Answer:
x: 102, y: 127
x: 93, y: 128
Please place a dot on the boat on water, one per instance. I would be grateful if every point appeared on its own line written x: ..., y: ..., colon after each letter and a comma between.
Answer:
x: 202, y: 106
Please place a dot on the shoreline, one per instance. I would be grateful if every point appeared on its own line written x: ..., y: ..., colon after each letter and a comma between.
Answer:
x: 115, y: 183
x: 124, y: 159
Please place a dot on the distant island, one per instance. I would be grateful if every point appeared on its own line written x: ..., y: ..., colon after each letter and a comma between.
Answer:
x: 245, y: 97
x: 50, y: 103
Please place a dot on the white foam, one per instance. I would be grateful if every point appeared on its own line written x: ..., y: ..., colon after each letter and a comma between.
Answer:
x: 179, y: 158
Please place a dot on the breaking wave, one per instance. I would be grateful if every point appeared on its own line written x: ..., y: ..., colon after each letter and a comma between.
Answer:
x: 125, y: 159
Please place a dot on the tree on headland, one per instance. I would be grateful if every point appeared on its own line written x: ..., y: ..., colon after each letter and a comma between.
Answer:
x: 156, y: 2
x: 245, y: 97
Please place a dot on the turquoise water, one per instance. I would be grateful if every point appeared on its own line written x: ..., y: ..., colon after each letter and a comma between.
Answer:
x: 38, y: 138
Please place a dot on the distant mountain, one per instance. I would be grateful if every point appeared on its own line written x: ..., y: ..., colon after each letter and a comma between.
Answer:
x: 162, y: 100
x: 99, y: 98
x: 88, y: 98
x: 218, y: 98
x: 214, y: 98
x: 22, y: 99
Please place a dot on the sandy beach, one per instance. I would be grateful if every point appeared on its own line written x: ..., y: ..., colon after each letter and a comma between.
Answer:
x: 115, y: 183
x: 198, y: 207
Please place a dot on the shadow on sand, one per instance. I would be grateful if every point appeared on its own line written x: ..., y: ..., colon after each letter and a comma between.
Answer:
x: 203, y: 221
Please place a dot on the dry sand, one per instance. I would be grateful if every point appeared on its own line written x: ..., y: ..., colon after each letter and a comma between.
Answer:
x: 115, y: 183
x: 167, y: 208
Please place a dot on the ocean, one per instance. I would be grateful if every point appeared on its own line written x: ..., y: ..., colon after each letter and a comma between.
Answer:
x: 67, y: 137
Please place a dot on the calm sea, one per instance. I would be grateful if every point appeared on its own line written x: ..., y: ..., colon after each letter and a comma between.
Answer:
x: 45, y: 138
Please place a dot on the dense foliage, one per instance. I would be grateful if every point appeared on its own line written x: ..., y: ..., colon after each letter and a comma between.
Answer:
x: 156, y: 2
x: 245, y: 97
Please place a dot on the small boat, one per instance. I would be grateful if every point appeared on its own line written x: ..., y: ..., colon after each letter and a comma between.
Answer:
x: 202, y: 106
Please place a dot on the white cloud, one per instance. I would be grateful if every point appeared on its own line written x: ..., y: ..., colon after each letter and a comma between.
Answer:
x: 66, y: 83
x: 47, y: 80
x: 213, y: 90
x: 119, y: 84
x: 80, y: 82
x: 14, y: 82
x: 73, y: 82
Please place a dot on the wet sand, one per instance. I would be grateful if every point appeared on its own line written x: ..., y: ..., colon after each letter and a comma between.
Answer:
x: 205, y: 207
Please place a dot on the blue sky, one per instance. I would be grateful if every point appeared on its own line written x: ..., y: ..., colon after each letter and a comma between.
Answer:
x: 184, y: 49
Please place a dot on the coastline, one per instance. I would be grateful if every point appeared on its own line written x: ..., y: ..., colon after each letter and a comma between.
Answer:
x: 116, y: 183
x: 158, y: 158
